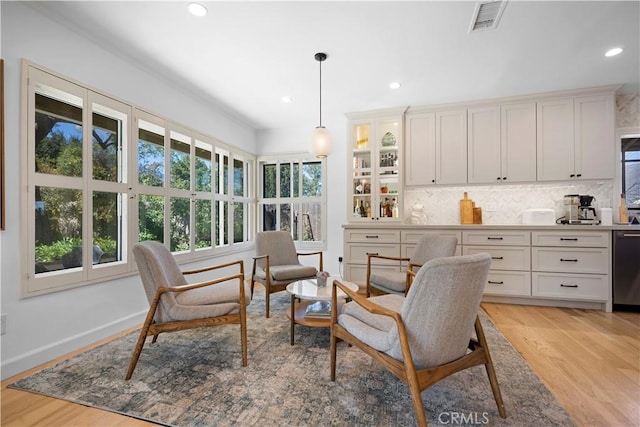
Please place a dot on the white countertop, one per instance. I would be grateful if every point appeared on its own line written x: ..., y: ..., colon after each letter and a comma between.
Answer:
x: 556, y: 227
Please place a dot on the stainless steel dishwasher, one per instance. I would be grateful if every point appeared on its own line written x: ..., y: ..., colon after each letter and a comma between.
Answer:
x: 626, y: 269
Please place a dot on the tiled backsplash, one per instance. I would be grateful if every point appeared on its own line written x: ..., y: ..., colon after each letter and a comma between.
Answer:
x: 501, y: 204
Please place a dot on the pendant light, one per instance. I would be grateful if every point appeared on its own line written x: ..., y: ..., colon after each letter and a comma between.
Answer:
x: 320, y: 144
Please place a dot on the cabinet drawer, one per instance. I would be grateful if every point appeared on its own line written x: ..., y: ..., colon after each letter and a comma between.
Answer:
x: 578, y: 239
x: 373, y: 236
x: 499, y: 237
x: 574, y: 260
x: 517, y: 283
x: 414, y: 236
x: 357, y: 253
x: 570, y: 286
x: 407, y: 250
x: 504, y: 258
x: 357, y: 273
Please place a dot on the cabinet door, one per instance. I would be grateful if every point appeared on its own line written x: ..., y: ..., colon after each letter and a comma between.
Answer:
x: 362, y: 158
x: 595, y: 142
x: 518, y: 142
x: 388, y: 184
x: 555, y: 144
x: 420, y: 161
x: 451, y: 147
x: 484, y: 145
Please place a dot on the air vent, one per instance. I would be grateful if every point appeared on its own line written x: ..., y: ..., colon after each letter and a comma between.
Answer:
x: 487, y: 15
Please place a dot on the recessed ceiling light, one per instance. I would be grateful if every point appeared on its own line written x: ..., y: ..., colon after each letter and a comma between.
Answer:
x: 287, y: 99
x: 613, y: 52
x: 394, y: 85
x: 197, y: 9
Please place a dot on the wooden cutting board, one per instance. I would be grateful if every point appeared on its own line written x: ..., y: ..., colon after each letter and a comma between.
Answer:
x: 466, y: 210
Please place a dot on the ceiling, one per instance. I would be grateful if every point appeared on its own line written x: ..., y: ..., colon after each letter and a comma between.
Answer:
x: 245, y: 56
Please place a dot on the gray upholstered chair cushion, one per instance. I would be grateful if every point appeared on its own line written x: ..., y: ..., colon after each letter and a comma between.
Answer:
x: 374, y: 329
x: 281, y: 273
x: 389, y: 281
x: 438, y: 312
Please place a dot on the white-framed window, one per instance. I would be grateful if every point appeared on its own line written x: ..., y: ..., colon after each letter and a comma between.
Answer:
x: 292, y: 197
x: 101, y: 175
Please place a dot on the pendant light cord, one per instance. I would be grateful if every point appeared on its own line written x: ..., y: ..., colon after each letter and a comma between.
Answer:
x: 320, y: 62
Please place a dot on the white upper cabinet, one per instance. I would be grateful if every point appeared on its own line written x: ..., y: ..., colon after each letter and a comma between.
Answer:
x: 436, y: 148
x: 485, y: 165
x: 576, y: 138
x: 451, y: 147
x: 420, y: 153
x: 595, y: 136
x: 518, y: 142
x: 502, y: 143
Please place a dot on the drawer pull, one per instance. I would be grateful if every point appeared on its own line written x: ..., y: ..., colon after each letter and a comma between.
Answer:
x: 562, y: 285
x: 493, y: 282
x: 497, y: 257
x: 572, y: 239
x: 371, y: 237
x: 568, y: 260
x: 372, y: 253
x: 495, y: 238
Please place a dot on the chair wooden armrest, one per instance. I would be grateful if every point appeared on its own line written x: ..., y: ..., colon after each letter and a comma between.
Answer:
x: 387, y: 257
x: 216, y: 267
x: 411, y: 274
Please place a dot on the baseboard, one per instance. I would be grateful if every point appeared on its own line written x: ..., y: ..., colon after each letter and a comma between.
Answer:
x: 49, y: 352
x: 588, y: 305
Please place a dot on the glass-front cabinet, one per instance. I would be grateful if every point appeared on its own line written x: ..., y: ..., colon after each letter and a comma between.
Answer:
x: 375, y: 178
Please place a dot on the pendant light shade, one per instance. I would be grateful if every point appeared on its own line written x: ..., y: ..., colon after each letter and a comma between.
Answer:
x: 320, y: 144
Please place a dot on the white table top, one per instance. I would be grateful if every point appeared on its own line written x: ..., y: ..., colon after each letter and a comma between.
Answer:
x: 307, y: 289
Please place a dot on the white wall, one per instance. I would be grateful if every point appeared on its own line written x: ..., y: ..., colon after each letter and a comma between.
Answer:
x: 44, y: 327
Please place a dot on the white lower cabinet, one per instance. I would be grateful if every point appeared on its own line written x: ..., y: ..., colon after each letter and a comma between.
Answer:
x: 570, y: 286
x: 571, y: 265
x: 556, y: 266
x: 510, y: 259
x: 514, y: 283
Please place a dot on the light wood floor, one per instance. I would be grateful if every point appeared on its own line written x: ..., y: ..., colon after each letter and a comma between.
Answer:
x: 590, y: 360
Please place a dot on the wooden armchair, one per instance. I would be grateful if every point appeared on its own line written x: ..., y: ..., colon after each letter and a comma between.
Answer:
x: 176, y: 305
x: 276, y: 263
x: 430, y: 246
x: 427, y: 335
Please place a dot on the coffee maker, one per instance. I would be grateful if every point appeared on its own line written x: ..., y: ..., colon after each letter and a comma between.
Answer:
x: 586, y: 212
x: 578, y: 210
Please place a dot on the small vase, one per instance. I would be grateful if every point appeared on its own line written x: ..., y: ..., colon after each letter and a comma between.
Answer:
x: 322, y: 282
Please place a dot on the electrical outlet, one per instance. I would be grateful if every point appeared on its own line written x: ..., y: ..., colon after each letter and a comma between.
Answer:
x: 3, y: 324
x: 339, y: 259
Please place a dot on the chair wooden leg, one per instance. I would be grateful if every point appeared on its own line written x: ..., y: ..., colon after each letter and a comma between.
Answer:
x: 491, y: 373
x: 243, y: 334
x: 333, y: 343
x: 253, y: 283
x: 138, y: 349
x: 414, y: 388
x: 267, y: 299
x: 155, y: 338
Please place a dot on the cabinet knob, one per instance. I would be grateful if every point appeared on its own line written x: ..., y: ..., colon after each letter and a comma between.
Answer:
x: 572, y: 175
x: 433, y: 181
x: 579, y: 175
x: 498, y: 178
x: 504, y: 178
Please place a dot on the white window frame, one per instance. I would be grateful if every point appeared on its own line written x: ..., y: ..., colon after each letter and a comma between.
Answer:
x: 33, y: 284
x: 300, y: 158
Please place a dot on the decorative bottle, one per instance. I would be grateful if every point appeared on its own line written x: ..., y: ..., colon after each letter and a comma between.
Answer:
x: 624, y: 215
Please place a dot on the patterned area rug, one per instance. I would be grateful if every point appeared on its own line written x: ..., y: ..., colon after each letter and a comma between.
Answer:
x: 196, y: 378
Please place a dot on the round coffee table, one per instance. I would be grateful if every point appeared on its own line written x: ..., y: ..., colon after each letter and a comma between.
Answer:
x: 309, y: 292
